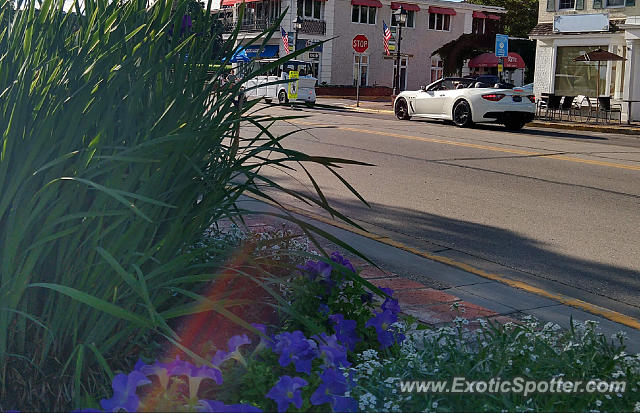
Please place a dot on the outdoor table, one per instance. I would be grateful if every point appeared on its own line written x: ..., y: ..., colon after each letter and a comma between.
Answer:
x: 629, y: 102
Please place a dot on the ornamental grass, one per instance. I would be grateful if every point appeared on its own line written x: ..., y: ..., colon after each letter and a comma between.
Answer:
x: 120, y: 145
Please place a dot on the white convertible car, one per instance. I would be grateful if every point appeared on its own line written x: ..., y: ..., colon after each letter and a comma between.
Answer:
x: 465, y: 102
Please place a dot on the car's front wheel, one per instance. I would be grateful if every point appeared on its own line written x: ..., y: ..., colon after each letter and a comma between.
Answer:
x: 402, y: 110
x: 462, y: 114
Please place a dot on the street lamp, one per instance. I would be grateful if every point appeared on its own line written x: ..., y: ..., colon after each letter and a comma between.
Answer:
x: 401, y: 19
x: 297, y: 25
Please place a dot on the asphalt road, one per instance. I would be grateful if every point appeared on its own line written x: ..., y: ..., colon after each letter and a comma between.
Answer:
x: 557, y: 209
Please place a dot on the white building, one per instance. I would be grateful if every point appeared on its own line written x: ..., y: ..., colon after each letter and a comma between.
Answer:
x: 569, y: 28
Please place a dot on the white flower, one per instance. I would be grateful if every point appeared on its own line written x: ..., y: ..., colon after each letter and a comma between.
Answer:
x: 598, y: 403
x: 434, y: 405
x: 637, y: 407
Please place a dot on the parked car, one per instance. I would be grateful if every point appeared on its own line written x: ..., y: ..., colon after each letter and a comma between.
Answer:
x: 466, y: 101
x: 273, y: 86
x: 524, y: 88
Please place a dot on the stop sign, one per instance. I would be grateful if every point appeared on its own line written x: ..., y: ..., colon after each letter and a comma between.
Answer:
x: 360, y: 43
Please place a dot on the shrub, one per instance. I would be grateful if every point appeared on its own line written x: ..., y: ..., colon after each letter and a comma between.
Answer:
x: 120, y: 146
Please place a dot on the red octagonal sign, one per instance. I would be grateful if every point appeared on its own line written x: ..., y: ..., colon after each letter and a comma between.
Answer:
x: 360, y: 43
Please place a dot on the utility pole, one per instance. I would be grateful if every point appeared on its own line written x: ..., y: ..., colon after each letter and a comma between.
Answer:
x: 401, y: 18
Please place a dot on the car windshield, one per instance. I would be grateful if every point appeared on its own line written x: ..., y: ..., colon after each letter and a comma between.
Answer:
x: 451, y: 84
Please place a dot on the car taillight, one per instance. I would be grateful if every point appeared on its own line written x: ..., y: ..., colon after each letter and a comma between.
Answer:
x: 532, y: 98
x: 494, y: 97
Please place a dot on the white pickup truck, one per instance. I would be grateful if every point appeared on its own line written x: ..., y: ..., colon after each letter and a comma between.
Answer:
x: 265, y: 86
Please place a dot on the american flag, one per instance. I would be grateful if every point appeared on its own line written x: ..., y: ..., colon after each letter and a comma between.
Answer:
x: 285, y: 40
x: 386, y: 36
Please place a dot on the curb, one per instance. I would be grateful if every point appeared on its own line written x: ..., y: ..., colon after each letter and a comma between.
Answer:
x: 587, y: 128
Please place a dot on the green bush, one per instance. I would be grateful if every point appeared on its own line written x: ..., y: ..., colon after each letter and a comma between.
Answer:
x: 499, y: 353
x: 120, y: 146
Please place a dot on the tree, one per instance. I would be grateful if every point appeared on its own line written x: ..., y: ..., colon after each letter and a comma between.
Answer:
x: 467, y: 46
x: 521, y: 17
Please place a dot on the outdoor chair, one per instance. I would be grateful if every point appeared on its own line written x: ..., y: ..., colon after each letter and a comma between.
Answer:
x: 605, y: 106
x: 553, y: 106
x: 582, y: 105
x: 541, y: 104
x: 567, y: 107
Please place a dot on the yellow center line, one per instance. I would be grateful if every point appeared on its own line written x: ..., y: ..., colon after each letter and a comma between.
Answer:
x: 475, y: 146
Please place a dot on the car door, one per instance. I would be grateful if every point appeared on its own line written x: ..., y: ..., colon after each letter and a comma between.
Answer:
x: 429, y: 102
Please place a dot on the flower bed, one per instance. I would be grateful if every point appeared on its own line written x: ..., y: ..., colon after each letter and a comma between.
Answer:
x: 336, y: 347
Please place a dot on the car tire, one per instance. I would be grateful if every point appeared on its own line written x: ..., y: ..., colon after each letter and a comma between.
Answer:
x: 282, y: 97
x: 402, y: 110
x: 515, y: 124
x: 462, y: 114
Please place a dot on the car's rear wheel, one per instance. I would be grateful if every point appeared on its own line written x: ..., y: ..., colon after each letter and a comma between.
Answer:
x: 402, y: 110
x: 514, y: 124
x: 462, y: 114
x: 282, y: 97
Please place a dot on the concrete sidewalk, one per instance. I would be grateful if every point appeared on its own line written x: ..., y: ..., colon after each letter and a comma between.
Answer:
x: 387, y: 108
x: 436, y: 293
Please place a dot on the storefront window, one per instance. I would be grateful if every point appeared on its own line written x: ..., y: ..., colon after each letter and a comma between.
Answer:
x: 579, y: 78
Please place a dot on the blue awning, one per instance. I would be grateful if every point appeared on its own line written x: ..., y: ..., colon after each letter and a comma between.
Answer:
x: 240, y: 56
x: 268, y: 51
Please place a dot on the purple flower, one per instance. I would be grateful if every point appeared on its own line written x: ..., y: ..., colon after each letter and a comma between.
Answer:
x: 344, y: 404
x: 286, y: 392
x: 214, y: 406
x: 390, y: 303
x: 331, y: 390
x: 260, y: 327
x: 317, y: 269
x: 345, y: 330
x: 324, y: 309
x: 124, y: 392
x: 237, y: 341
x: 156, y: 369
x: 72, y: 411
x: 295, y: 347
x: 232, y: 349
x: 337, y: 258
x: 382, y: 322
x: 194, y: 373
x: 332, y: 352
x: 366, y: 298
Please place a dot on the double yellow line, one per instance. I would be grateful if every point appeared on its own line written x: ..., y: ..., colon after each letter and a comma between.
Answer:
x: 474, y: 146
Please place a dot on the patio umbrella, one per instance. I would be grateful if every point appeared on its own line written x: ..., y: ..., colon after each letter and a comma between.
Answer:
x: 598, y: 55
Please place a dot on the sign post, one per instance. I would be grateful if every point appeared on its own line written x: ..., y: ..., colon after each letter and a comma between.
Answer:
x: 502, y: 51
x: 360, y: 45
